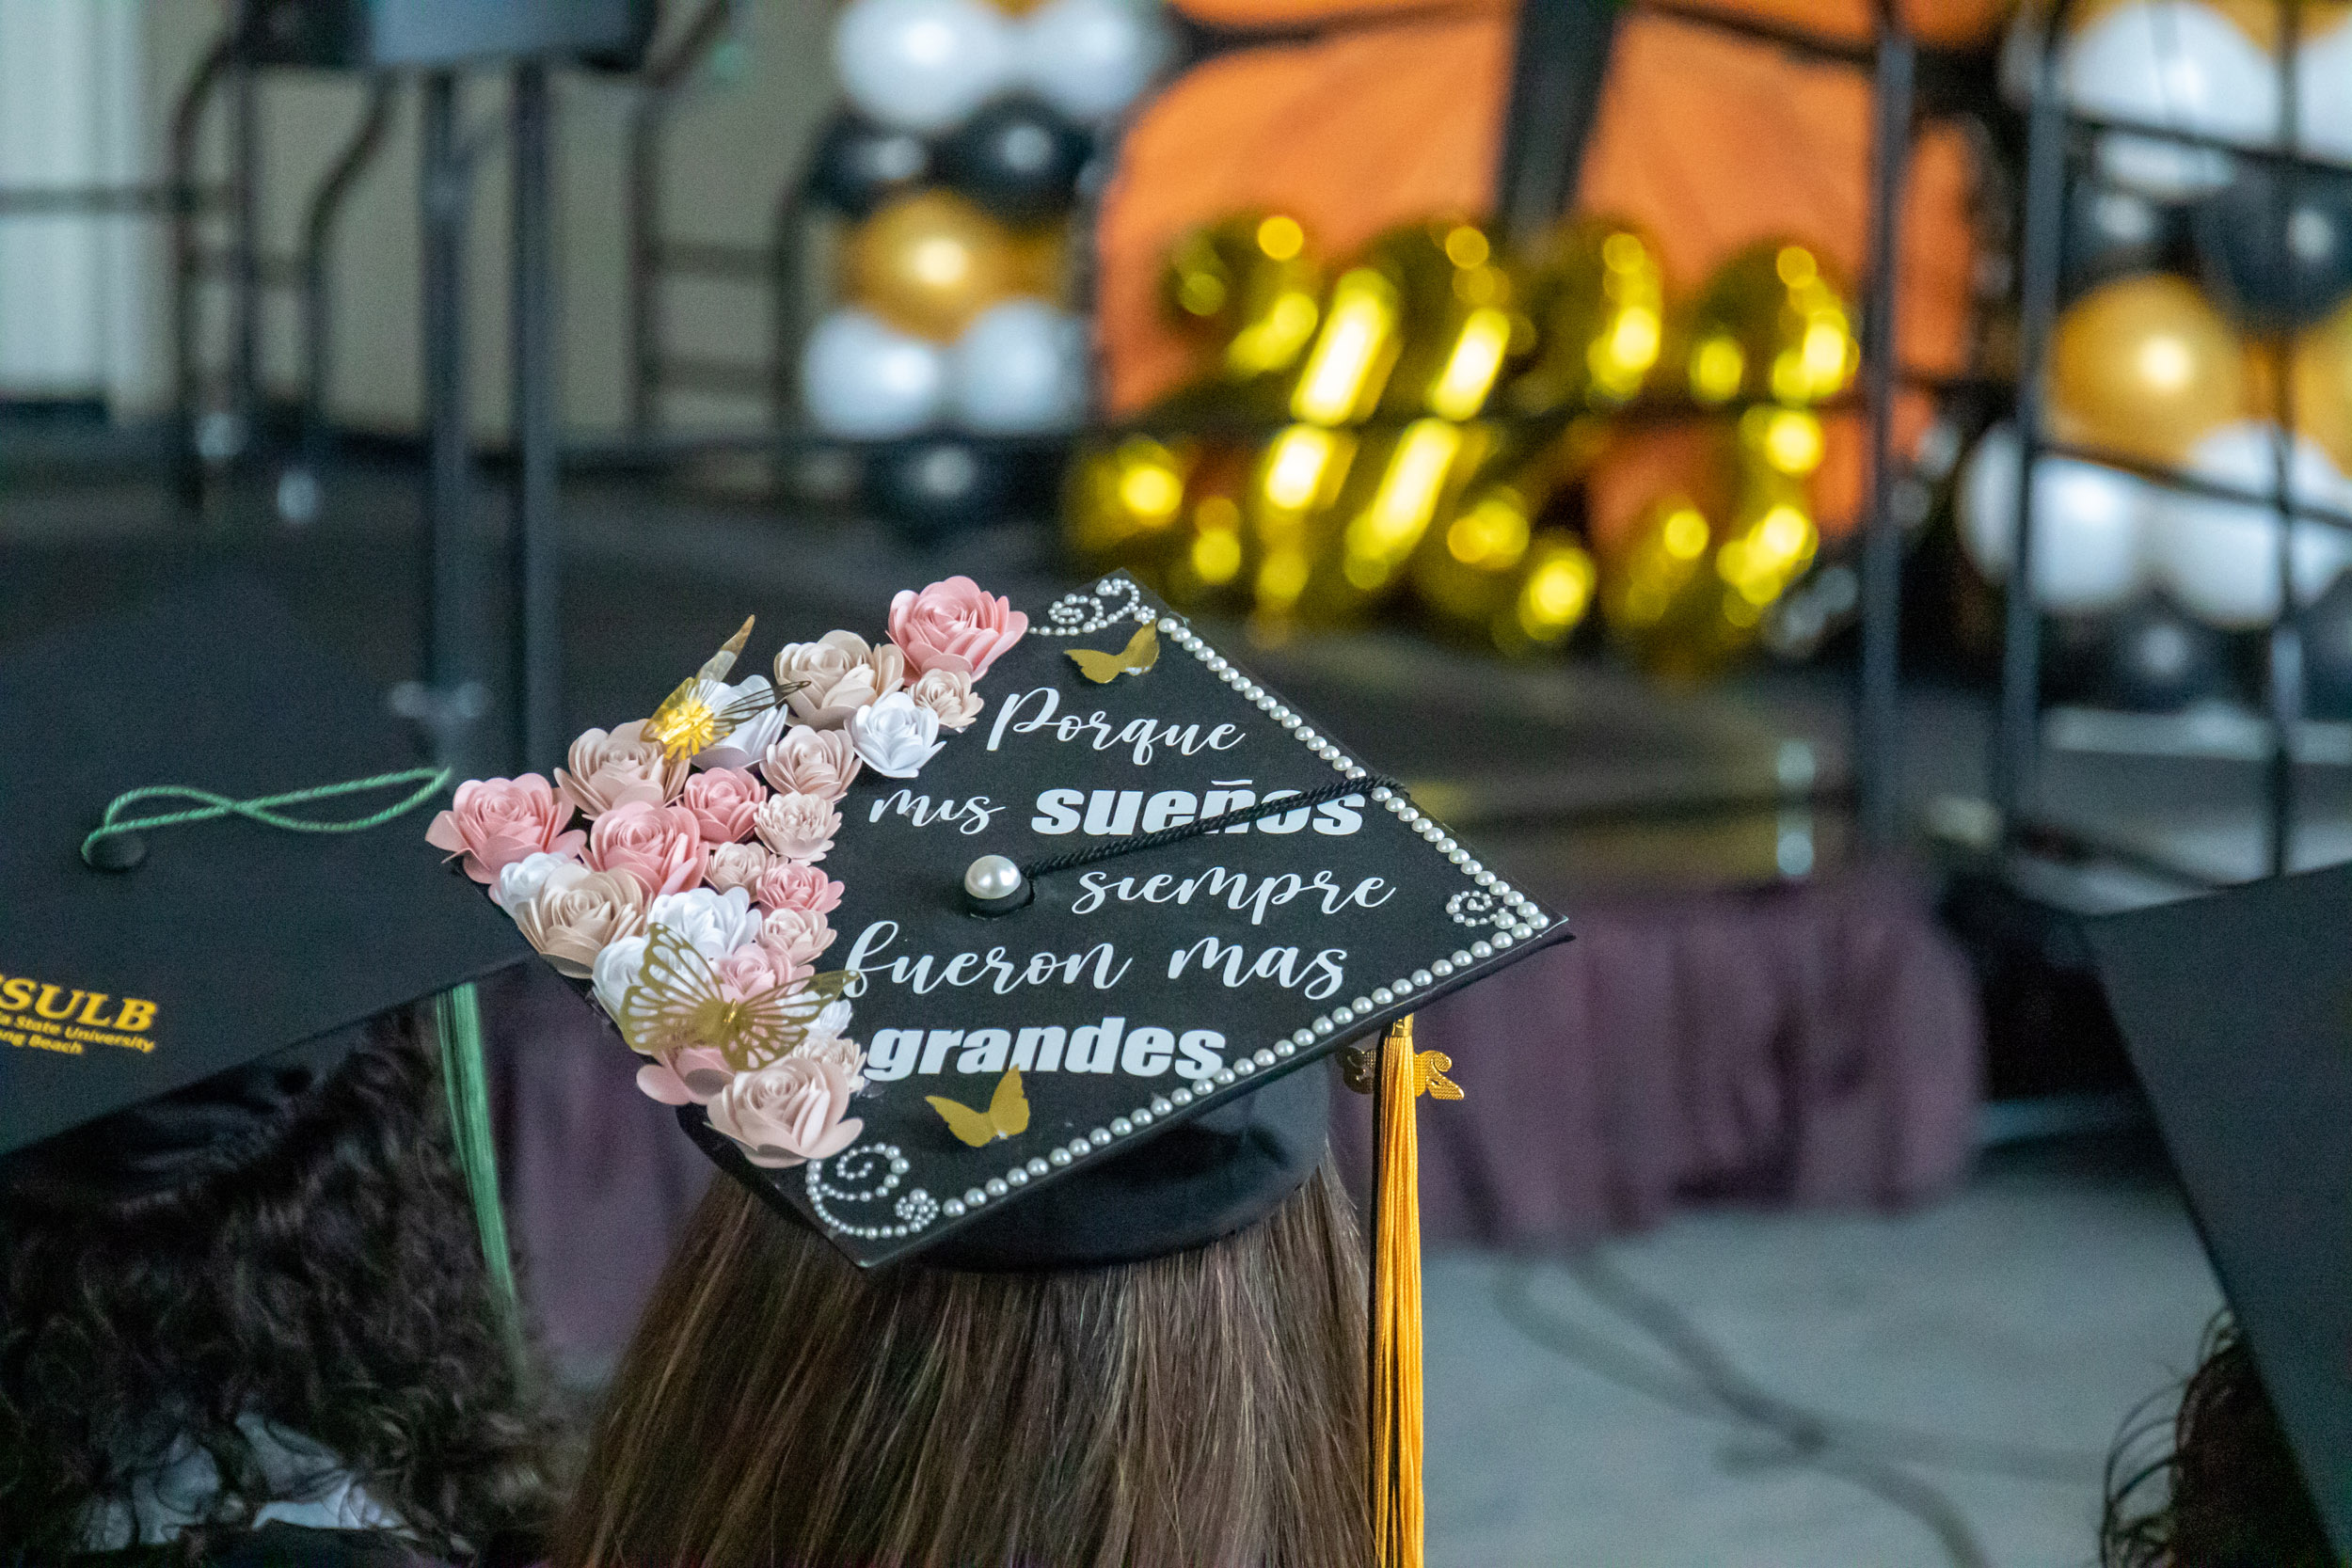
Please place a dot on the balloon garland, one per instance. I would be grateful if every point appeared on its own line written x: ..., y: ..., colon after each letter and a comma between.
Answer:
x: 1434, y: 402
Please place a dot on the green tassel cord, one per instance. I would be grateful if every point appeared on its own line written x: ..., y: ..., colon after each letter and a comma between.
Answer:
x: 457, y: 1019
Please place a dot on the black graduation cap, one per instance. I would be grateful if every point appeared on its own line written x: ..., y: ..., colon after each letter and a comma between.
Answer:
x: 230, y: 941
x: 2237, y: 1011
x: 1082, y: 1018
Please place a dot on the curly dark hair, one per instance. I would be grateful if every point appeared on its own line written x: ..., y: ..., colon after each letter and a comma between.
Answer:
x: 2227, y: 1494
x: 333, y: 1286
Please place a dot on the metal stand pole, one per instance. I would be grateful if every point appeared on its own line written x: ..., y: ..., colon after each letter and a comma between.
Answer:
x: 449, y: 701
x: 2014, y: 744
x: 2285, y: 689
x: 245, y: 264
x: 535, y: 535
x: 1878, y: 720
x: 301, y: 483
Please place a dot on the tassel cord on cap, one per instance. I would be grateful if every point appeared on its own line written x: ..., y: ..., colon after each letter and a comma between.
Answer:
x: 457, y: 1023
x: 262, y: 809
x: 1396, y: 1329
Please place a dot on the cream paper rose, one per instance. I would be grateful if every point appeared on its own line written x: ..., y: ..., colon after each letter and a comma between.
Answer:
x: 737, y: 865
x: 742, y: 746
x: 796, y: 936
x: 838, y: 673
x: 616, y: 969
x: 797, y: 827
x: 694, y: 1076
x: 947, y: 693
x: 789, y: 1113
x: 712, y: 923
x: 811, y: 762
x: 520, y: 882
x: 894, y: 736
x: 570, y: 922
x: 612, y: 770
x: 793, y: 885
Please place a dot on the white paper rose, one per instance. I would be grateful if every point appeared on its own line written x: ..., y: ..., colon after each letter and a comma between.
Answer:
x: 519, y: 882
x: 791, y: 1113
x: 896, y: 736
x: 745, y: 745
x: 713, y: 924
x: 616, y: 969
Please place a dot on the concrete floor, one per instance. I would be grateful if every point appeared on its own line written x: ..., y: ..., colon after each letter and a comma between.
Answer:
x: 1812, y: 1390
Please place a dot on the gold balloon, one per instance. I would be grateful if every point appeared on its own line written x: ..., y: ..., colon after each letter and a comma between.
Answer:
x: 1040, y: 261
x: 1290, y: 491
x: 1550, y: 596
x: 2143, y: 367
x: 1250, y: 283
x: 1771, y: 323
x: 1598, y: 298
x: 930, y: 262
x: 2323, y: 385
x: 1124, y: 500
x: 1461, y: 322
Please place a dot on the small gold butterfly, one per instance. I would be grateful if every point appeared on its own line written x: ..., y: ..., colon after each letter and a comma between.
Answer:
x: 686, y: 722
x: 1007, y: 1116
x: 1141, y: 652
x: 676, y: 1005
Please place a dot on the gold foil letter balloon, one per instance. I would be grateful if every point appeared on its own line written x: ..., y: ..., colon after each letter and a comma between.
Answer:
x: 2143, y: 367
x: 1770, y: 324
x: 1597, y: 295
x: 1460, y: 322
x: 930, y: 263
x: 1249, y: 283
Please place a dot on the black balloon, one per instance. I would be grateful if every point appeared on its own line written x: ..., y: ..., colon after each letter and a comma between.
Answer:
x: 2112, y: 232
x: 2271, y: 273
x: 2327, y: 653
x: 930, y: 489
x: 1017, y: 158
x: 858, y: 165
x: 2147, y: 658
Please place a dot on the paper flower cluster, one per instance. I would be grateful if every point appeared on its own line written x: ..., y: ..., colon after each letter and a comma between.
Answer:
x: 689, y: 892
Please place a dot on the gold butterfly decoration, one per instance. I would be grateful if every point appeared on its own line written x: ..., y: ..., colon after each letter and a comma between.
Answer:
x: 1360, y: 1070
x: 686, y: 722
x: 1007, y: 1116
x: 676, y: 1005
x: 1141, y: 652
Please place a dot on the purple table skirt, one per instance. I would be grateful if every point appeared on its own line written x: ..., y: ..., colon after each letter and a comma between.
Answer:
x: 1816, y: 1044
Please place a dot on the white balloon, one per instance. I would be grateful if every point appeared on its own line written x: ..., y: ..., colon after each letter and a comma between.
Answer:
x: 922, y: 65
x: 2323, y: 73
x: 2220, y: 559
x: 2180, y: 65
x: 1089, y: 58
x: 2087, y: 525
x: 1019, y: 369
x: 861, y: 377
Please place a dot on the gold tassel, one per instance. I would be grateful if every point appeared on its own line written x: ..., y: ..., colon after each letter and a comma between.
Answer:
x: 1399, y: 1076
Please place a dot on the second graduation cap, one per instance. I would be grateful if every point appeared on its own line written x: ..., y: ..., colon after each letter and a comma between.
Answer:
x: 926, y: 938
x: 2237, y: 1011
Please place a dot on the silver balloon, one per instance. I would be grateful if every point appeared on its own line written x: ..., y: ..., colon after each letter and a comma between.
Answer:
x: 2220, y: 559
x: 1019, y: 369
x: 1091, y: 58
x: 2087, y: 522
x: 2176, y: 64
x: 865, y: 379
x: 922, y: 65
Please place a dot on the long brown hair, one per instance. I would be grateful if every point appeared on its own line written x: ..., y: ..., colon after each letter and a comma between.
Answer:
x: 778, y: 1408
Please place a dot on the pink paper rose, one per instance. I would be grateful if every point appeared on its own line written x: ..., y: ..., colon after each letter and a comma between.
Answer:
x: 794, y: 1111
x: 660, y: 846
x: 811, y: 762
x: 694, y: 1076
x: 723, y: 801
x: 749, y: 971
x: 797, y: 827
x: 947, y: 693
x: 837, y: 675
x: 612, y: 770
x: 734, y: 865
x: 954, y: 626
x: 791, y: 885
x: 496, y: 822
x: 796, y: 936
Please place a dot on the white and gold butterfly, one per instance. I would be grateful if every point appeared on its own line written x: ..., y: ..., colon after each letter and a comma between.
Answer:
x: 677, y: 1005
x: 693, y: 719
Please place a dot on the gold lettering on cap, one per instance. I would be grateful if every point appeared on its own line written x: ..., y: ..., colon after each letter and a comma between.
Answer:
x: 30, y: 1017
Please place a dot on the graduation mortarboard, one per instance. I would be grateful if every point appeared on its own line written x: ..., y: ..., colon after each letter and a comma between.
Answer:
x: 1001, y: 944
x: 2237, y: 1011
x: 156, y: 1015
